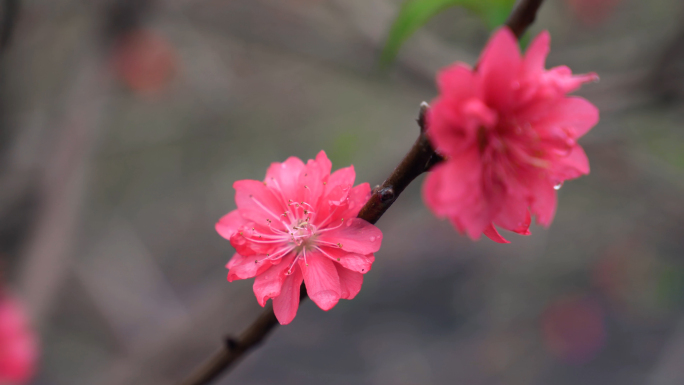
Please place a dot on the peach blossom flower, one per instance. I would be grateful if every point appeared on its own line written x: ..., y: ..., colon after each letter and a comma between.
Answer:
x: 300, y: 224
x: 509, y: 134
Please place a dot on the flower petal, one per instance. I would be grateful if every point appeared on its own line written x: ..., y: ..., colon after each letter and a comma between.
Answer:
x: 343, y: 177
x: 284, y: 177
x: 537, y: 51
x: 229, y: 224
x: 352, y: 261
x: 358, y: 196
x: 572, y: 166
x: 324, y: 164
x: 267, y: 284
x: 574, y: 116
x: 355, y: 235
x: 350, y: 282
x: 248, y: 267
x: 237, y: 259
x: 286, y: 304
x: 499, y: 67
x: 456, y: 82
x: 255, y: 198
x: 247, y: 246
x: 562, y: 79
x: 514, y: 213
x: 491, y: 233
x: 445, y: 128
x: 457, y: 189
x: 544, y: 202
x: 321, y: 279
x: 524, y: 228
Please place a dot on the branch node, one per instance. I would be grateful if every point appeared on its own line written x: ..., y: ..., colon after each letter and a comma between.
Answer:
x: 386, y: 195
x: 231, y: 343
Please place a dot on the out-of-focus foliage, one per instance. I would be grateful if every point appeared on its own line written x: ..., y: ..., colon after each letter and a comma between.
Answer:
x: 414, y: 13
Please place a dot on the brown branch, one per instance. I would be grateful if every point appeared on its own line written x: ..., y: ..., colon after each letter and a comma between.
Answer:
x: 419, y: 159
x: 523, y: 16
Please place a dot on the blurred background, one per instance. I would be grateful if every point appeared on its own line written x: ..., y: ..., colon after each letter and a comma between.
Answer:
x: 124, y: 124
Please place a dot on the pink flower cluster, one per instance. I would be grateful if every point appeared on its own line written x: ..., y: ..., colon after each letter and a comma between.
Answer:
x: 18, y: 347
x: 300, y: 224
x: 509, y: 134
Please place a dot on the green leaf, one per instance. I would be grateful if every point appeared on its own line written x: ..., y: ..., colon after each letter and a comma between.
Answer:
x: 415, y: 13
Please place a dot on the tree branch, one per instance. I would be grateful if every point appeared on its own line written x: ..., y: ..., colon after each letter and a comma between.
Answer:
x: 421, y: 158
x: 523, y: 16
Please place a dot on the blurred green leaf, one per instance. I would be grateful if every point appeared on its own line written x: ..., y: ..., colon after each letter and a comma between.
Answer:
x: 415, y: 13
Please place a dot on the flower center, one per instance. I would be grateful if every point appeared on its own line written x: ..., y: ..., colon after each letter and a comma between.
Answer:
x: 303, y: 235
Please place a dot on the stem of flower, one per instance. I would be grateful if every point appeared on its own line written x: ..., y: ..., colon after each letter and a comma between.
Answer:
x: 421, y: 158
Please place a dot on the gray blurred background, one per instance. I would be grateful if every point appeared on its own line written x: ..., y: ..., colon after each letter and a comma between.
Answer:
x: 124, y: 124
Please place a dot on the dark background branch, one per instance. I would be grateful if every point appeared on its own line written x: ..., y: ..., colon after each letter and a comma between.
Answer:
x: 419, y: 159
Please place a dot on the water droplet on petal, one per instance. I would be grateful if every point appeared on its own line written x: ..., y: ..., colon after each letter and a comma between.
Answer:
x: 515, y: 85
x: 372, y: 239
x: 558, y: 186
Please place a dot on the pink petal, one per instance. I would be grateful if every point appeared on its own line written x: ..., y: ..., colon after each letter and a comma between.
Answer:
x: 499, y: 68
x: 343, y: 177
x: 237, y: 259
x: 456, y: 82
x: 476, y: 114
x: 248, y: 268
x: 324, y: 163
x: 514, y: 213
x: 358, y: 196
x: 432, y: 191
x: 321, y: 279
x: 267, y: 284
x: 524, y: 228
x: 229, y: 224
x: 350, y: 282
x: 286, y: 304
x: 336, y: 195
x: 446, y: 129
x: 257, y: 202
x: 538, y: 50
x: 573, y: 115
x: 544, y: 202
x: 246, y: 247
x: 284, y: 177
x: 355, y: 235
x: 572, y: 166
x: 354, y: 262
x: 457, y: 189
x: 564, y: 81
x: 312, y: 180
x: 491, y: 233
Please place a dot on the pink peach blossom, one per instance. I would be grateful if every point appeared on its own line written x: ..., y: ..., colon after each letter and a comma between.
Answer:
x: 509, y: 134
x: 18, y: 347
x: 300, y: 224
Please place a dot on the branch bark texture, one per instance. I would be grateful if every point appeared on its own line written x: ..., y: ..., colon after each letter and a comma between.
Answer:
x: 421, y: 158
